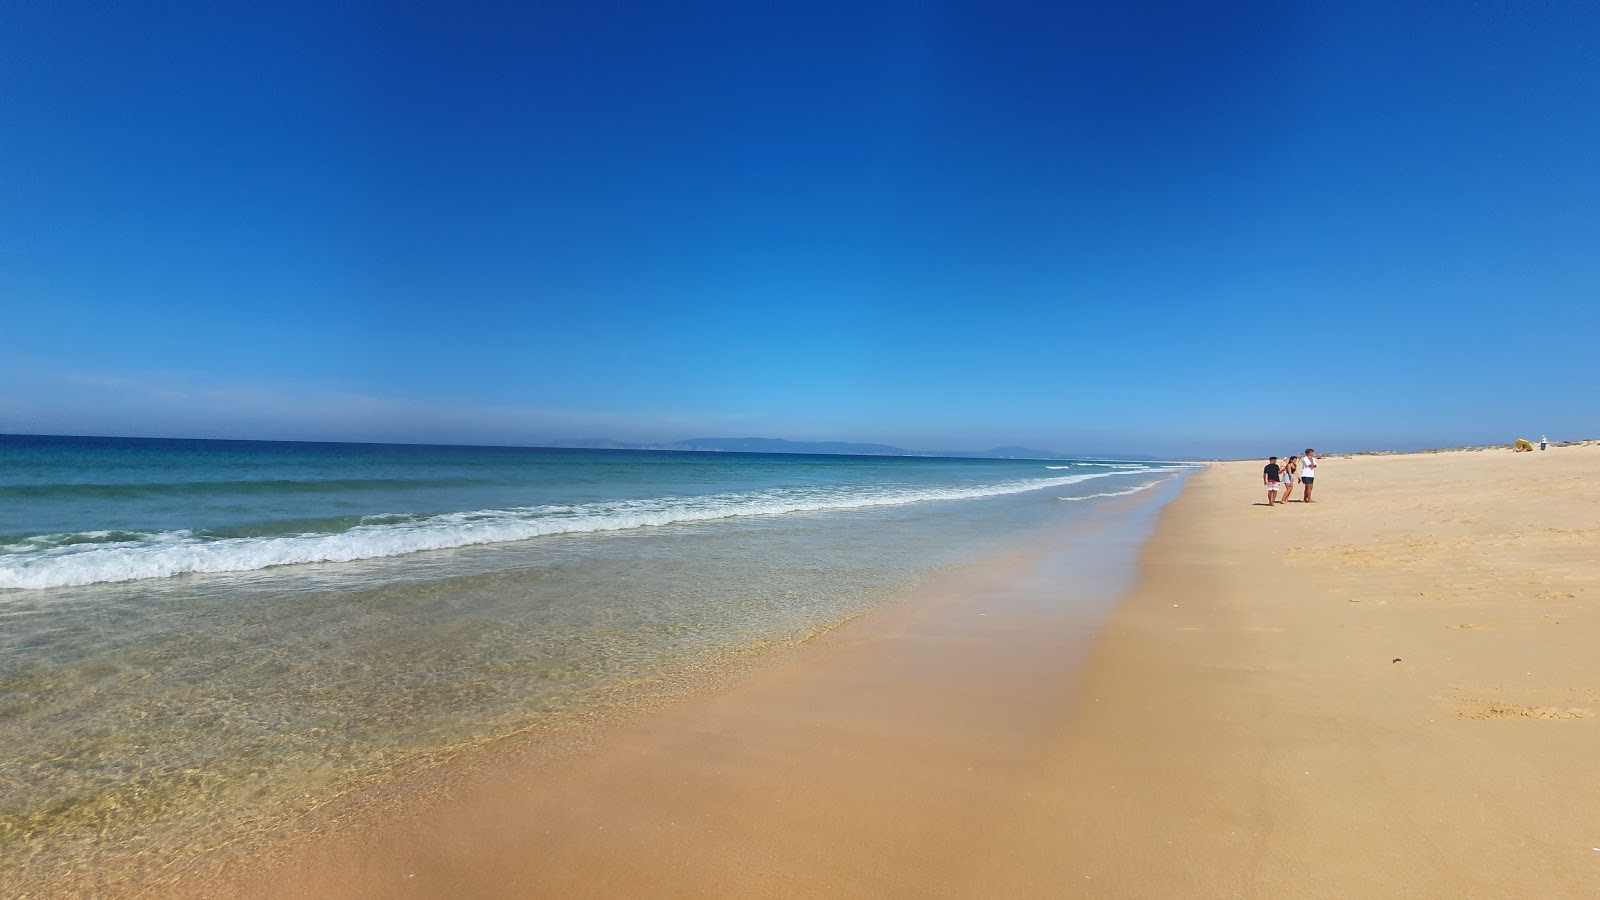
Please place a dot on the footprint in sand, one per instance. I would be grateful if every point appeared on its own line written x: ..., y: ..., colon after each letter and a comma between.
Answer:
x: 1464, y: 626
x: 1555, y: 595
x: 1495, y: 709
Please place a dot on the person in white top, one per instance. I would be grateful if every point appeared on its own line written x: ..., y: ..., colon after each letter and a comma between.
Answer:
x: 1308, y: 474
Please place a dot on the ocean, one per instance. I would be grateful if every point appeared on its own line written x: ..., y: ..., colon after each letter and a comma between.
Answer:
x: 204, y: 639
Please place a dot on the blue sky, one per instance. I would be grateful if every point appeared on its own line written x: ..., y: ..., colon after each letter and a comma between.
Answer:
x: 1178, y: 228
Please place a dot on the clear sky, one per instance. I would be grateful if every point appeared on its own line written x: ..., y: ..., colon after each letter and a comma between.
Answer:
x: 1184, y: 228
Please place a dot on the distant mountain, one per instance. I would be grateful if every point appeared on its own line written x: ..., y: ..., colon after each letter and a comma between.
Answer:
x: 1000, y: 453
x: 595, y: 444
x: 742, y: 445
x: 779, y: 445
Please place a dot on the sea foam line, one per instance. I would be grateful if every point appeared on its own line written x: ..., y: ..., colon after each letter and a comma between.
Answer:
x: 1133, y: 490
x: 167, y: 554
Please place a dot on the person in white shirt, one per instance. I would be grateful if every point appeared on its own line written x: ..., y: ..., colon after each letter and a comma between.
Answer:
x: 1308, y: 474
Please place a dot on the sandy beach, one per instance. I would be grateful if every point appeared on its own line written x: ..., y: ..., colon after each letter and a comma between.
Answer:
x: 1391, y: 692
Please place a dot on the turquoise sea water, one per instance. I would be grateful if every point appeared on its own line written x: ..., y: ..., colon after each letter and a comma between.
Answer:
x: 203, y: 638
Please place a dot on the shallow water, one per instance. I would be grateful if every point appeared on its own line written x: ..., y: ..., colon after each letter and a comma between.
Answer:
x: 154, y: 717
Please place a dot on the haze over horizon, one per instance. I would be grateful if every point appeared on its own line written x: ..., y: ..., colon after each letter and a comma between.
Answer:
x: 1167, y: 229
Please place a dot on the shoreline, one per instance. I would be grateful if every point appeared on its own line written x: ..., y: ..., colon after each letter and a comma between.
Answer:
x: 148, y: 720
x: 864, y: 759
x: 1390, y: 692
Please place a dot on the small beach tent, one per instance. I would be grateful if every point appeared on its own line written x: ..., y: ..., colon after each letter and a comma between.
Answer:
x: 1524, y: 445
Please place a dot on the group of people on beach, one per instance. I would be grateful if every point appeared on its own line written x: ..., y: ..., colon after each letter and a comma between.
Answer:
x: 1280, y: 479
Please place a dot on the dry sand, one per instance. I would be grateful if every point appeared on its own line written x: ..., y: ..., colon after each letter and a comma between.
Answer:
x: 1390, y: 692
x: 1242, y: 729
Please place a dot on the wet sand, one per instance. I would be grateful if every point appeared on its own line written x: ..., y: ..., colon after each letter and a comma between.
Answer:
x: 1391, y: 692
x: 879, y: 762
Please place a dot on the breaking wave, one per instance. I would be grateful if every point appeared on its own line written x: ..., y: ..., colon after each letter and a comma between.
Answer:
x: 1133, y: 490
x: 64, y: 560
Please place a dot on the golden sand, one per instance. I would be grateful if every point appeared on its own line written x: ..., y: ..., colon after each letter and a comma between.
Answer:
x: 1390, y: 692
x: 1393, y: 692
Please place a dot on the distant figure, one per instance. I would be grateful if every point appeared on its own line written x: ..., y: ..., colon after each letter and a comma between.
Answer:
x: 1308, y: 475
x: 1289, y: 464
x: 1543, y: 442
x: 1270, y: 476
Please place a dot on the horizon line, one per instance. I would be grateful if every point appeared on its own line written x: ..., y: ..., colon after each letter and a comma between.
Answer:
x: 907, y: 452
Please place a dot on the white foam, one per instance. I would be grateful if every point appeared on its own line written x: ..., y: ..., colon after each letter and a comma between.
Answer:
x: 1134, y: 490
x: 180, y: 552
x: 1059, y: 467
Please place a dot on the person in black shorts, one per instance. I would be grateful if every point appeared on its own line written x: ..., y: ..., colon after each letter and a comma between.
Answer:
x: 1308, y: 474
x: 1270, y: 476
